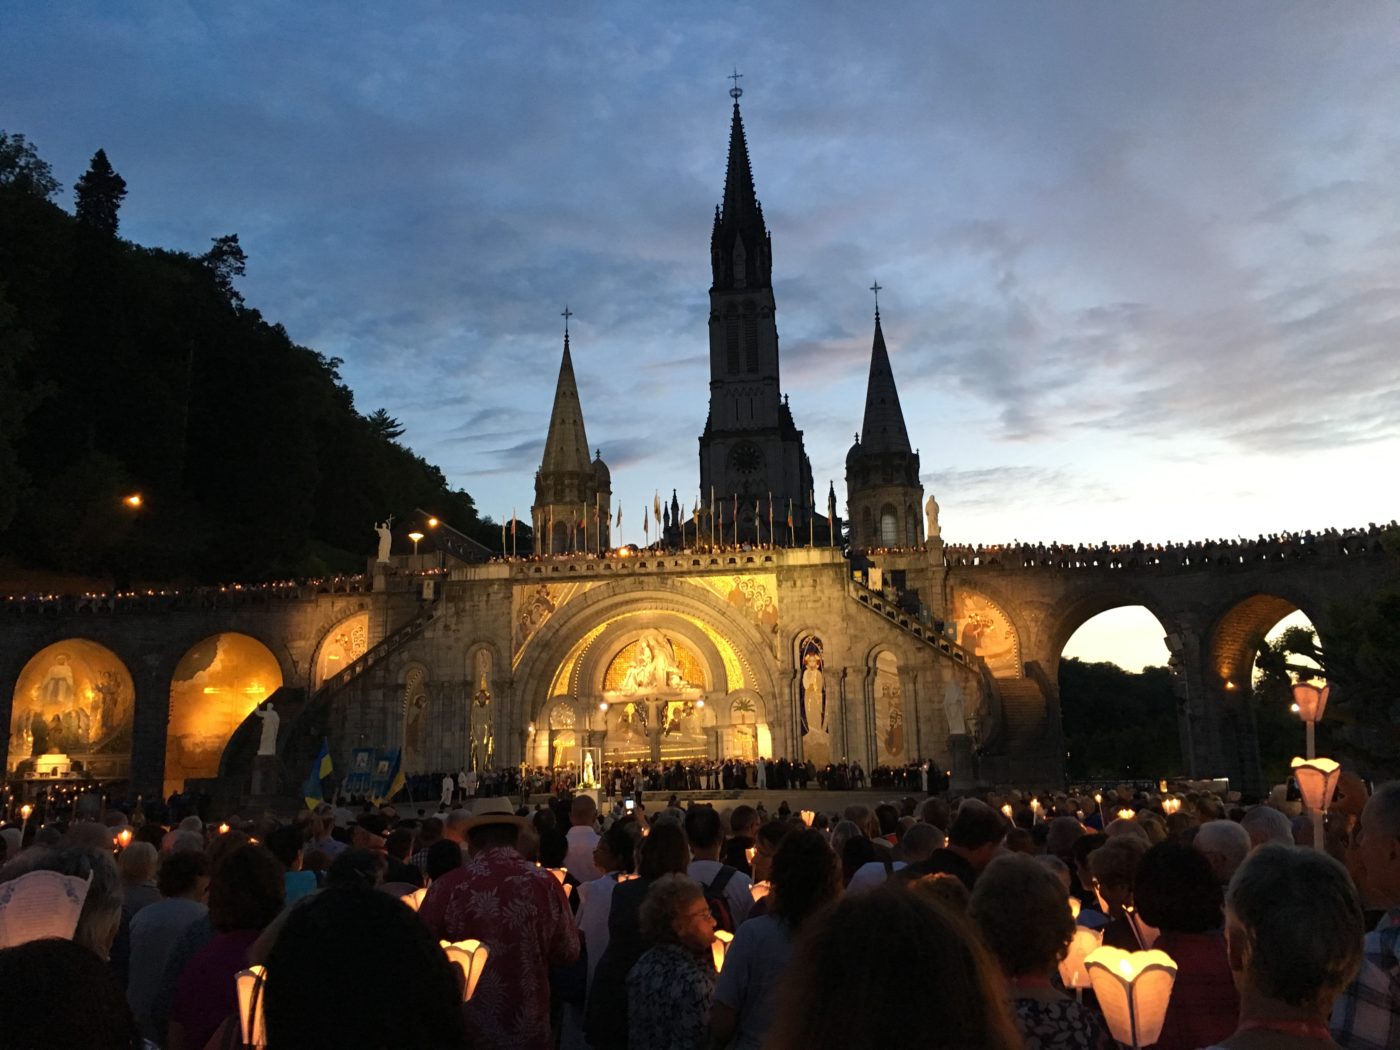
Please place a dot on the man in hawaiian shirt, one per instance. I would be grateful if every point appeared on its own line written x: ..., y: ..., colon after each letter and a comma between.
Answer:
x: 520, y: 913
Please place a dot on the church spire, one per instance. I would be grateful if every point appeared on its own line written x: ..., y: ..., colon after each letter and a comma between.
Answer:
x: 740, y: 249
x: 566, y: 444
x: 883, y: 429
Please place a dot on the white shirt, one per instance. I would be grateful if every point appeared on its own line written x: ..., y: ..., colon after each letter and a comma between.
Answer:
x: 736, y: 890
x: 871, y: 874
x: 579, y: 858
x: 594, y: 906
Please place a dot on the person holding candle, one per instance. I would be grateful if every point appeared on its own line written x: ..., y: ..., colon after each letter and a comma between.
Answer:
x: 670, y: 989
x: 1177, y: 893
x: 806, y: 877
x: 1022, y: 910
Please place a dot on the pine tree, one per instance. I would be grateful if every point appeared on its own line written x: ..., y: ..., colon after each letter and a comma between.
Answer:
x: 226, y: 260
x: 98, y: 196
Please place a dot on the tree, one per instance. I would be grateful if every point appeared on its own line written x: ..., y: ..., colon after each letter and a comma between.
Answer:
x: 23, y: 168
x: 226, y: 260
x: 98, y: 196
x: 385, y: 426
x: 1117, y: 723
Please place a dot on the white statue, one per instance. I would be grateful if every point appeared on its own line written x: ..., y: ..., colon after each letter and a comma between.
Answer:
x: 933, y: 531
x: 953, y: 709
x: 590, y: 778
x: 813, y: 688
x: 386, y: 538
x: 654, y: 667
x: 271, y: 720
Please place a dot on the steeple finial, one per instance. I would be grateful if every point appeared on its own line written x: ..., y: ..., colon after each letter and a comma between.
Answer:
x: 876, y: 289
x: 736, y: 92
x: 566, y: 315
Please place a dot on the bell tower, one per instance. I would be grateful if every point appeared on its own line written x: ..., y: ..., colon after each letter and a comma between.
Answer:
x: 751, y: 449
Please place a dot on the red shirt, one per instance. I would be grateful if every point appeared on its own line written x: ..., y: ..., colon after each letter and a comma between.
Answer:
x: 520, y: 913
x: 1204, y: 1008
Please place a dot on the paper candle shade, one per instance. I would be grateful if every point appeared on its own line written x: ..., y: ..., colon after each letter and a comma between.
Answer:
x: 1171, y: 805
x: 469, y: 957
x: 807, y: 817
x: 415, y: 899
x: 1127, y: 814
x: 1311, y: 701
x: 559, y: 873
x: 251, y: 984
x: 760, y: 890
x: 1072, y: 969
x: 1133, y: 989
x: 1074, y: 907
x: 720, y: 947
x: 1006, y: 811
x: 1317, y: 779
x: 750, y: 853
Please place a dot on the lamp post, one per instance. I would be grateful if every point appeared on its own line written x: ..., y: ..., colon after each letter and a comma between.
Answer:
x: 1311, y: 703
x: 1317, y: 780
x: 415, y: 537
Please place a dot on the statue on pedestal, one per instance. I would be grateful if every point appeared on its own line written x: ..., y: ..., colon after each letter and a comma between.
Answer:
x: 386, y: 538
x: 932, y: 530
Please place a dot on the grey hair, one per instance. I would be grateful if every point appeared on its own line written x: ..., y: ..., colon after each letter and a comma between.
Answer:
x: 664, y: 901
x: 1265, y: 825
x: 1302, y: 919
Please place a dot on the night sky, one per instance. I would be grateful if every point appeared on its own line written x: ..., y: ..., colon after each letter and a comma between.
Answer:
x: 1140, y: 261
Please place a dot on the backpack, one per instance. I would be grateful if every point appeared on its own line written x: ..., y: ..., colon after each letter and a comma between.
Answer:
x: 718, y: 902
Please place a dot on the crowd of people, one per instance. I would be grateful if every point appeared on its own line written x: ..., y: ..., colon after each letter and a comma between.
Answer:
x: 935, y: 923
x: 1277, y: 546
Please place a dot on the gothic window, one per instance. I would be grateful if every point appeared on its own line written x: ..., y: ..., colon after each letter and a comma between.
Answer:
x: 889, y: 526
x: 731, y: 341
x: 751, y: 344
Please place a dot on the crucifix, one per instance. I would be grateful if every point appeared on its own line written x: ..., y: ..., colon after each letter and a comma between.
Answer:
x: 566, y: 315
x: 876, y: 289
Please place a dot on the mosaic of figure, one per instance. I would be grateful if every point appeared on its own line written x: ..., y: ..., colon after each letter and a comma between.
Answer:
x: 816, y: 735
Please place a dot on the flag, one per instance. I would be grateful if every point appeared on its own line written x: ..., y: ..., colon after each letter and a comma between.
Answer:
x: 646, y: 524
x: 619, y: 515
x: 789, y: 513
x: 695, y: 513
x: 512, y: 523
x: 320, y: 769
x: 395, y: 780
x: 656, y: 506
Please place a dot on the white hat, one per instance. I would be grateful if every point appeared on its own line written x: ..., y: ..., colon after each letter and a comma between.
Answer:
x: 41, y: 904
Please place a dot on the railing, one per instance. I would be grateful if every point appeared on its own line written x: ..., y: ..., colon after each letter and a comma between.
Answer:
x: 909, y: 624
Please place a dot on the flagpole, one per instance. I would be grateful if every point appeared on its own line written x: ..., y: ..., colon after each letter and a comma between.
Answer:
x: 771, y: 538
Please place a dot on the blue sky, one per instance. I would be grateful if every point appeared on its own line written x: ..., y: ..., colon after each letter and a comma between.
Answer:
x: 1141, y: 260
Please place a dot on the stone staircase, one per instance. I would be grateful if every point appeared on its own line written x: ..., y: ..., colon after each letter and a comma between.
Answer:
x: 909, y: 624
x: 1028, y: 739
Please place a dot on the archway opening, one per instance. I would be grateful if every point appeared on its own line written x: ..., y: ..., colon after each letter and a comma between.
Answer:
x: 1286, y: 655
x: 889, y: 526
x: 1118, y: 698
x: 72, y: 713
x: 216, y: 685
x: 346, y: 643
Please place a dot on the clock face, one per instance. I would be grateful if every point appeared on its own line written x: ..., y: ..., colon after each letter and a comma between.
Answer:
x: 745, y: 458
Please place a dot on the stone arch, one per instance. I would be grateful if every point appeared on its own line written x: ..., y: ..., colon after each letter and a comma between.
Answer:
x: 73, y: 707
x: 1230, y: 639
x: 1083, y: 608
x: 341, y: 643
x: 213, y: 689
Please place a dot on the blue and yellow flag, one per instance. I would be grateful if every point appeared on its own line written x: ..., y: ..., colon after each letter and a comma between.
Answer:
x: 395, y: 779
x: 320, y: 769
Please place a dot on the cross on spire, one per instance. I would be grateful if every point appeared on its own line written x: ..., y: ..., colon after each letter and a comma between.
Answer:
x: 566, y: 315
x: 876, y: 289
x: 736, y: 91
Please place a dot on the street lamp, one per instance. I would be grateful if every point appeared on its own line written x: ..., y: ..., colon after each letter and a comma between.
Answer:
x: 134, y: 500
x: 1311, y: 703
x: 415, y: 537
x: 1317, y: 780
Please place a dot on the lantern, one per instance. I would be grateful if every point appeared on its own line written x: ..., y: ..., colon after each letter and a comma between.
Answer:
x: 1311, y: 702
x: 720, y: 947
x: 415, y: 899
x: 807, y: 817
x: 469, y: 957
x: 1127, y: 814
x: 251, y: 984
x: 223, y: 829
x: 1074, y: 907
x: 1171, y: 805
x: 123, y: 838
x: 760, y: 890
x: 1317, y: 780
x: 1133, y: 989
x: 1085, y: 941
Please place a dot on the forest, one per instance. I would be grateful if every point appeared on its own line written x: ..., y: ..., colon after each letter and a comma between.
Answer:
x: 132, y: 371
